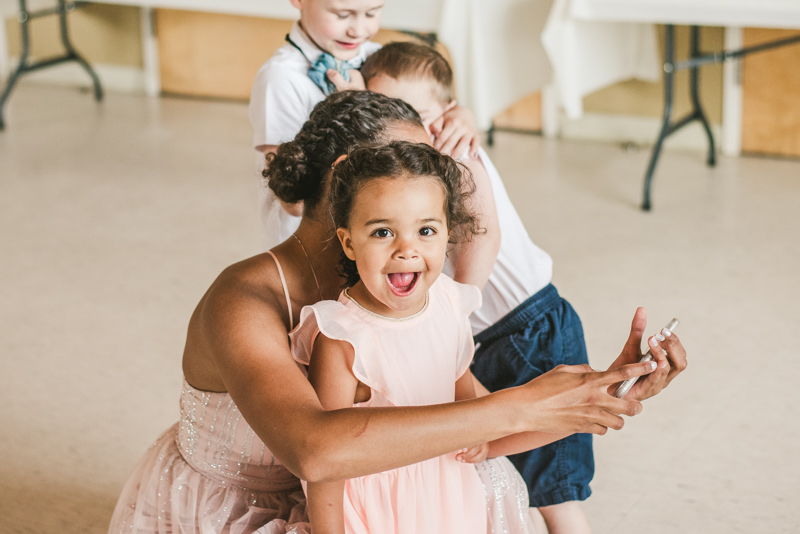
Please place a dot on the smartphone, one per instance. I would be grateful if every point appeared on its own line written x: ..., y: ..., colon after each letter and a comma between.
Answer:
x: 626, y: 386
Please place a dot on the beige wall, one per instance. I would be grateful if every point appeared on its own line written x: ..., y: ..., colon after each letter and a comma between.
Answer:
x: 102, y: 33
x: 647, y: 99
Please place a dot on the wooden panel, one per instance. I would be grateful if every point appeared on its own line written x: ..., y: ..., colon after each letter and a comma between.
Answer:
x: 525, y: 114
x: 216, y: 55
x: 771, y: 96
x: 208, y: 54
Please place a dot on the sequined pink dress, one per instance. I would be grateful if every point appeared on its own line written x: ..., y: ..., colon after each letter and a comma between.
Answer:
x: 209, y: 474
x: 415, y: 362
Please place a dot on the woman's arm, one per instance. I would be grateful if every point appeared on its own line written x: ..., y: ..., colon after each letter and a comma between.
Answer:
x: 515, y: 443
x: 474, y: 260
x: 248, y: 340
x: 331, y: 376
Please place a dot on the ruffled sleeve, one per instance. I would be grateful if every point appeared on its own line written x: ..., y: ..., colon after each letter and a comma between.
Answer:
x: 465, y: 299
x: 335, y: 321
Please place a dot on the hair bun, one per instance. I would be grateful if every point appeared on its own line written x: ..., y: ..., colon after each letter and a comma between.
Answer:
x: 287, y: 173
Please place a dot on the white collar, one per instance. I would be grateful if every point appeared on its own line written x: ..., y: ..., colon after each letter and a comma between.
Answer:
x: 311, y: 51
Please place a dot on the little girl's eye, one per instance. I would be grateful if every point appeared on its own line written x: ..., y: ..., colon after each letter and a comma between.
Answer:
x: 343, y: 15
x: 382, y: 232
x: 427, y: 231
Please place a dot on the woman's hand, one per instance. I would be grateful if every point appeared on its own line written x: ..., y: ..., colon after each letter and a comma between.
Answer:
x: 574, y: 398
x: 454, y: 133
x: 669, y: 354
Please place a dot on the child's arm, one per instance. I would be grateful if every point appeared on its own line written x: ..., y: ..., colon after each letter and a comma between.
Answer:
x: 465, y: 390
x: 474, y: 260
x: 356, y: 82
x: 455, y: 132
x: 330, y: 373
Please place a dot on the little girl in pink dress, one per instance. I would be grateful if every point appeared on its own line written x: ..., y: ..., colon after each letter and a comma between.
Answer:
x: 400, y: 336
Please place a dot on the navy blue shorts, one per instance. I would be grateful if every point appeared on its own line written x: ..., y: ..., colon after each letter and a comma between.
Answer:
x: 538, y: 335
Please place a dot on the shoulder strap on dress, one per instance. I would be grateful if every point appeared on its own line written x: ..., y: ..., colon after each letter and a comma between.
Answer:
x: 285, y: 290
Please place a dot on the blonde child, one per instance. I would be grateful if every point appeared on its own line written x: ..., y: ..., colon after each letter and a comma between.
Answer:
x: 322, y: 53
x: 399, y: 335
x: 524, y: 327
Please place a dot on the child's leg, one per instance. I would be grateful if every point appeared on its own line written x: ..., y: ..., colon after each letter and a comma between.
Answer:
x: 542, y: 333
x: 539, y: 526
x: 565, y: 518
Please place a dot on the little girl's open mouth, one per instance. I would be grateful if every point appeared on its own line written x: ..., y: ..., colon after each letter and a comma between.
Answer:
x: 402, y: 284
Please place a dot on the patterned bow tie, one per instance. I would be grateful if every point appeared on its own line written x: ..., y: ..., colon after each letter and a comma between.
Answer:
x: 321, y: 65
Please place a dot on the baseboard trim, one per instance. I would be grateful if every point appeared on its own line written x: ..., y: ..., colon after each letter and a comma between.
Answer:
x: 115, y: 78
x: 634, y: 129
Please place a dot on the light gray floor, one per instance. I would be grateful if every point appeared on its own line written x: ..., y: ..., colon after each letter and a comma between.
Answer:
x: 114, y: 219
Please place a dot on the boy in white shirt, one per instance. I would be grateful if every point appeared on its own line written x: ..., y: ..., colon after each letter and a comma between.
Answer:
x: 323, y: 50
x: 524, y: 327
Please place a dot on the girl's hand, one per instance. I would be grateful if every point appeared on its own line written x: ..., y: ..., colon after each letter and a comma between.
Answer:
x: 473, y: 455
x: 454, y: 133
x: 668, y: 352
x: 356, y: 82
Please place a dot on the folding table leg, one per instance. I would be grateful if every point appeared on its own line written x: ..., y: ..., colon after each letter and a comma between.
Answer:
x: 24, y: 21
x: 694, y: 81
x: 71, y: 53
x: 26, y: 66
x: 669, y: 80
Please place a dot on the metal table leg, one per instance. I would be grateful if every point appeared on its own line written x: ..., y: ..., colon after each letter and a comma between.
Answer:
x: 694, y: 85
x: 696, y: 114
x: 70, y: 54
x: 669, y: 77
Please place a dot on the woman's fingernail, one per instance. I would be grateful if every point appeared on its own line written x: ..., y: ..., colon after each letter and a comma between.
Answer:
x: 666, y: 333
x: 653, y: 341
x: 653, y: 366
x: 660, y: 337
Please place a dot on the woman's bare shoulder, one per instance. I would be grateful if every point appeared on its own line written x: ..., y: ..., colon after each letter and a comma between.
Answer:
x: 247, y: 286
x: 241, y: 313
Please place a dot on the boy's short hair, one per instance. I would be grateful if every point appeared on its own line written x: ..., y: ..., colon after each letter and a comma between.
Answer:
x: 410, y: 60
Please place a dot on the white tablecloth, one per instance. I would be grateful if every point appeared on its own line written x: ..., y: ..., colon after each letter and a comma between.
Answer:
x: 749, y: 13
x: 595, y: 43
x: 588, y: 55
x: 497, y: 54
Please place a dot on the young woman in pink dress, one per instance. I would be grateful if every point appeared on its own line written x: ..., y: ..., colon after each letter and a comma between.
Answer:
x: 250, y: 421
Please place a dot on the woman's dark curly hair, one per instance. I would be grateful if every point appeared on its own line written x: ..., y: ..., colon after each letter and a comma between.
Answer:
x: 402, y: 159
x: 336, y: 124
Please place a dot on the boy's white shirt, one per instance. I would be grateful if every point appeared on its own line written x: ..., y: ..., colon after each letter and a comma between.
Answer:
x: 521, y: 269
x: 280, y: 103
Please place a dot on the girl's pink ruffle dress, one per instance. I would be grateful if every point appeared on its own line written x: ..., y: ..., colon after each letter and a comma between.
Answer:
x: 415, y: 362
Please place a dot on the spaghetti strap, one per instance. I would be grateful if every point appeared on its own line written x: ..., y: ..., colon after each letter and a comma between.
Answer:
x: 285, y: 290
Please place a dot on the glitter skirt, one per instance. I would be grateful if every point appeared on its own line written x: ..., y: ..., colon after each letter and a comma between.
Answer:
x: 507, y: 509
x: 167, y: 495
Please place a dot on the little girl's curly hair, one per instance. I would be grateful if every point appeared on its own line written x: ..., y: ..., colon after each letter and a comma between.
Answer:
x: 402, y: 159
